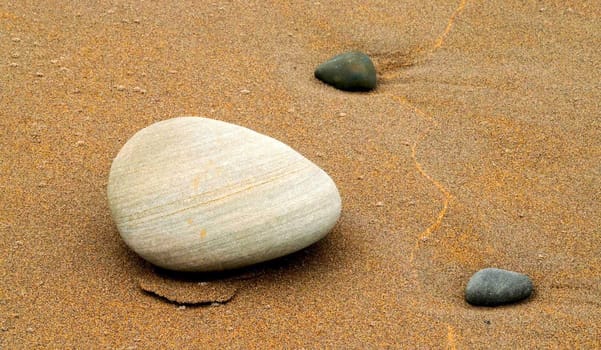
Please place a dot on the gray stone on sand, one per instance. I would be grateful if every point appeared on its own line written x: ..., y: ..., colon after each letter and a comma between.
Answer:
x: 491, y: 287
x: 351, y: 71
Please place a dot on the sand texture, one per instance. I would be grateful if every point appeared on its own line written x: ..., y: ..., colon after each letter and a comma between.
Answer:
x: 480, y: 147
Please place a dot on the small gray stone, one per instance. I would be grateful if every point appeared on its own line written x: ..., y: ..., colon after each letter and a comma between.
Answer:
x: 491, y: 287
x: 351, y: 71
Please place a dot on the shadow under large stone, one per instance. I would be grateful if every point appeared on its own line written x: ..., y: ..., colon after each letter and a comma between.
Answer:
x: 206, y: 288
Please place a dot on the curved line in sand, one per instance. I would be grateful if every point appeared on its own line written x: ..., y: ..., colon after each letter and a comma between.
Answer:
x: 447, y: 196
x: 440, y: 40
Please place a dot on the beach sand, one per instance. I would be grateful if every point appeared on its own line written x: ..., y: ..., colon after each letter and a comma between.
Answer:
x: 480, y: 147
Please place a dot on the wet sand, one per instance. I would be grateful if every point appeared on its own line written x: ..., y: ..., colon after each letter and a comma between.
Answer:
x: 480, y: 147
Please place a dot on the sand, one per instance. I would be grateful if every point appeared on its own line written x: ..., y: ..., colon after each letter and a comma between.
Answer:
x: 480, y: 147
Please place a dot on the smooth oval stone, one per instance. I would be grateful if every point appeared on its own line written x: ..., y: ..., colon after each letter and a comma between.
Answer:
x: 196, y: 194
x: 491, y: 287
x: 351, y: 71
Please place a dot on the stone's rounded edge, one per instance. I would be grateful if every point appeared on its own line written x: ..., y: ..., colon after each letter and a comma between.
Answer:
x: 494, y: 287
x: 314, y: 238
x: 126, y: 151
x: 371, y: 75
x: 217, y: 266
x: 340, y: 72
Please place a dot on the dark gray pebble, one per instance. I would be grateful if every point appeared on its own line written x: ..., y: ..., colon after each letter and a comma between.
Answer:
x: 491, y: 287
x: 351, y: 71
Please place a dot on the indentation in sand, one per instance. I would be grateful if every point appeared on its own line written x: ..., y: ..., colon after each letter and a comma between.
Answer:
x: 194, y: 289
x: 390, y: 64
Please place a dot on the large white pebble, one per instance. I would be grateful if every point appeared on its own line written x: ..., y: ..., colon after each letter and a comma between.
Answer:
x: 196, y: 194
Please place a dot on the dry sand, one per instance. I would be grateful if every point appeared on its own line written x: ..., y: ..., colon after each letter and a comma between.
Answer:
x: 482, y: 142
